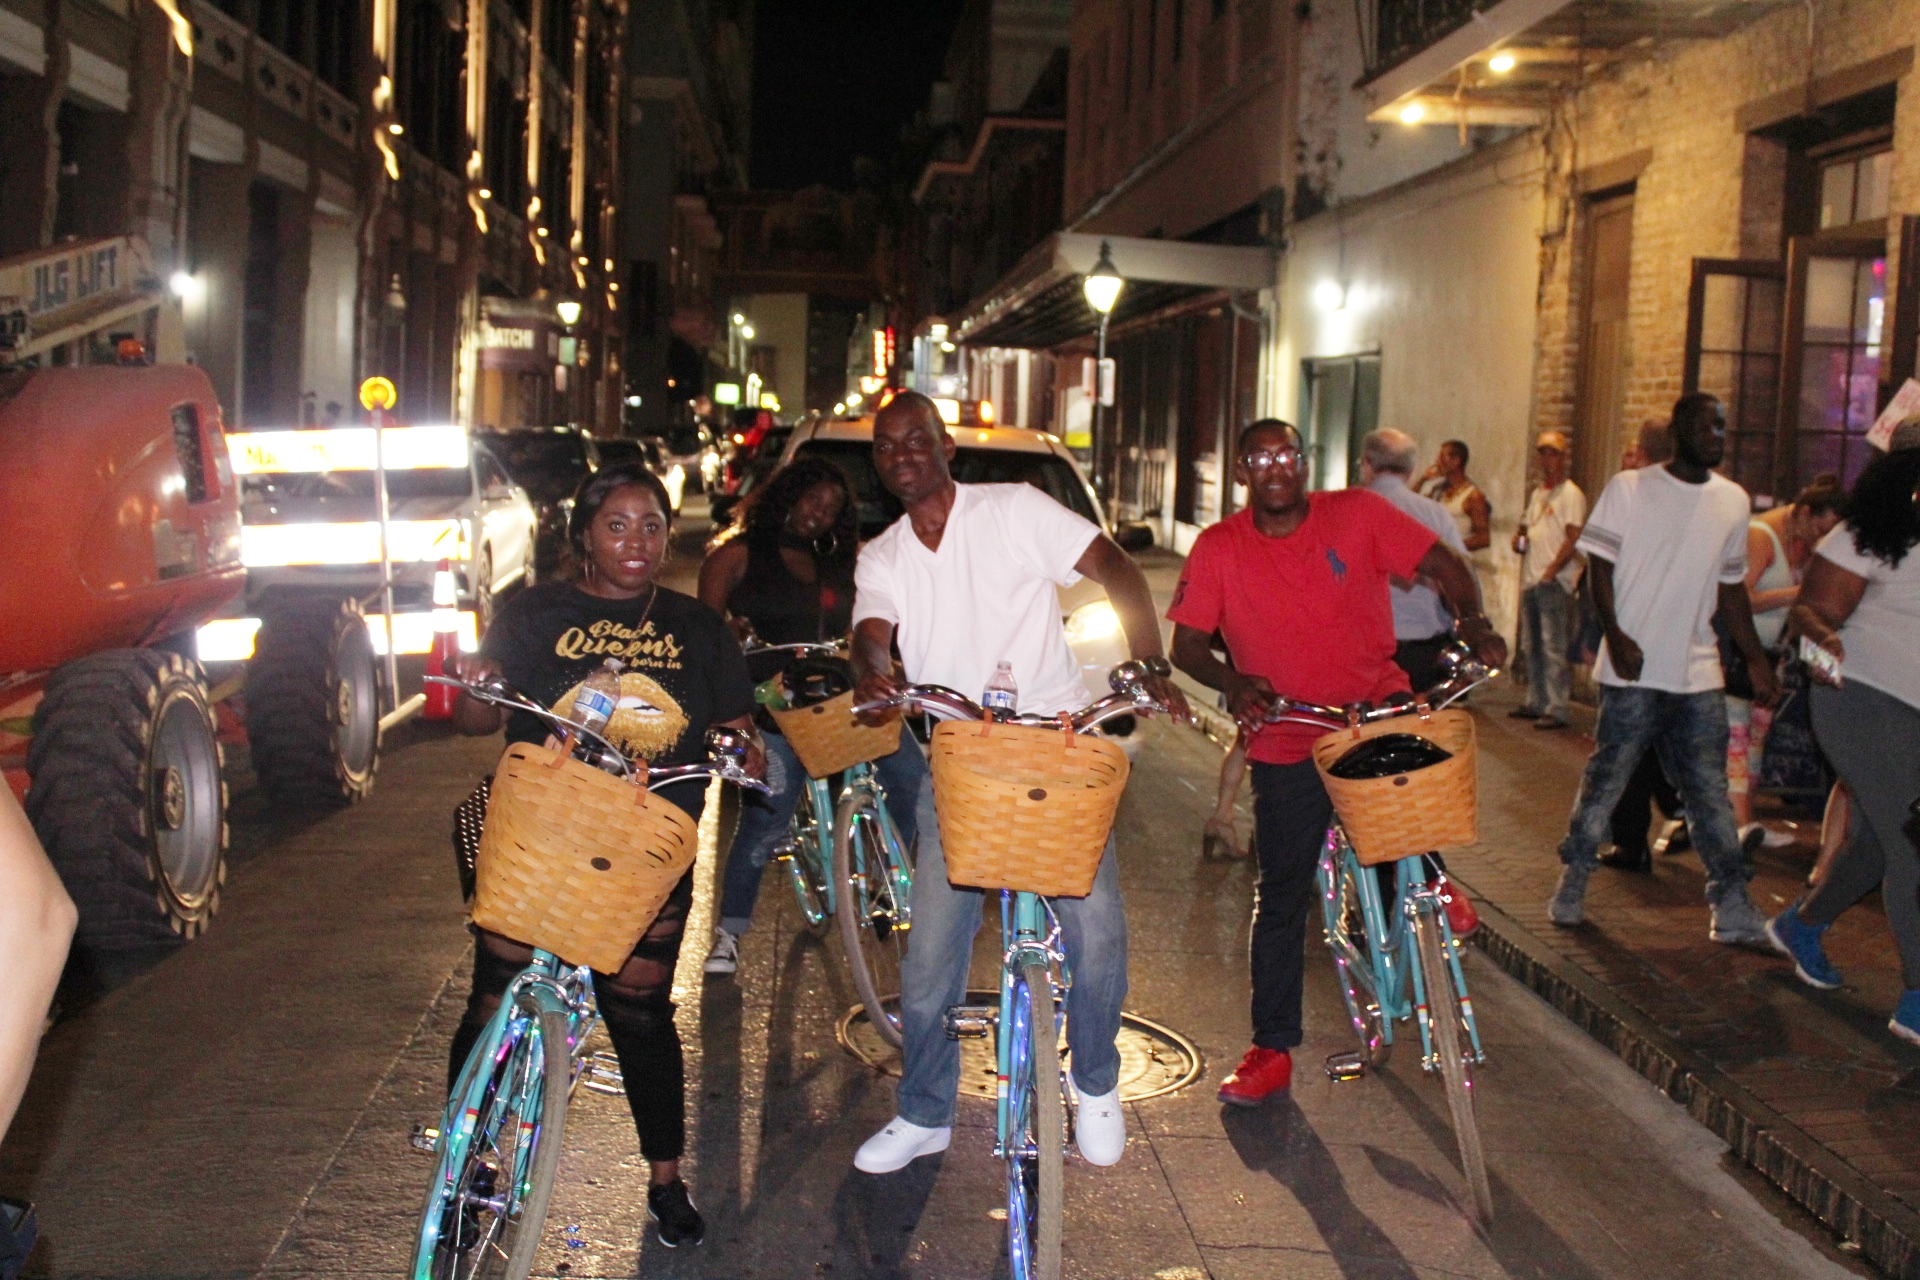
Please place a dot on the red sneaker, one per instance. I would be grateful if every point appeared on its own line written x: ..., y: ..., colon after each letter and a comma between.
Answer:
x: 1460, y: 913
x: 1261, y: 1072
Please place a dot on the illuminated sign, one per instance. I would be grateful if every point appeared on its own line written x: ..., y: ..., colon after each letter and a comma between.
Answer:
x: 345, y: 449
x: 768, y: 400
x: 506, y: 339
x: 276, y: 546
x: 949, y: 410
x: 871, y: 386
x: 880, y: 352
x: 726, y: 393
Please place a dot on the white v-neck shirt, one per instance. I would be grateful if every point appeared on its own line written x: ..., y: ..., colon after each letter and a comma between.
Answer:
x: 986, y: 596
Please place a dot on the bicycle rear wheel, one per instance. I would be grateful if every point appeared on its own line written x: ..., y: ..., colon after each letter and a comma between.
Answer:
x: 867, y: 905
x: 1451, y: 1047
x: 1036, y: 1131
x: 490, y: 1193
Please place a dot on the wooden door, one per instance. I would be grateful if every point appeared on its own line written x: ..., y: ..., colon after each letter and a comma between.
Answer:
x: 1598, y: 430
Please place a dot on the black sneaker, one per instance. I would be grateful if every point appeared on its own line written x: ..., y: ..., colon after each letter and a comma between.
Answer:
x: 671, y: 1207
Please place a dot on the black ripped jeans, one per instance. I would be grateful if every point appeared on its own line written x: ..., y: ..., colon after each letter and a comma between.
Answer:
x: 637, y: 1006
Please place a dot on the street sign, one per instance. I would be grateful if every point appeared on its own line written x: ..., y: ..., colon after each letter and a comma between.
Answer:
x: 378, y: 393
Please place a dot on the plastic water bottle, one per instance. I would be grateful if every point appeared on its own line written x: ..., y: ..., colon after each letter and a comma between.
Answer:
x: 1001, y: 694
x: 598, y: 695
x: 1521, y: 542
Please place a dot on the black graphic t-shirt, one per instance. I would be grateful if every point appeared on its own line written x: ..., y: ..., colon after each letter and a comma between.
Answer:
x: 682, y: 670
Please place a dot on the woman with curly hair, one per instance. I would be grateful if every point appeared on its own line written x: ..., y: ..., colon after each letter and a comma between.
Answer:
x: 1860, y: 601
x: 788, y: 579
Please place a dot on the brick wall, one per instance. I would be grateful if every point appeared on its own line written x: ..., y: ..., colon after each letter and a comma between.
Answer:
x: 1681, y: 106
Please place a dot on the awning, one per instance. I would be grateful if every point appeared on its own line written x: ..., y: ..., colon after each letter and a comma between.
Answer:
x: 1505, y: 62
x: 1040, y: 303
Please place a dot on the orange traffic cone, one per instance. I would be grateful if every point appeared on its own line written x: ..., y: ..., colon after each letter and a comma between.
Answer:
x: 446, y: 643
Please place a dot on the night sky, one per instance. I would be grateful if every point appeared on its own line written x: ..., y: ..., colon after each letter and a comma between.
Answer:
x: 835, y: 79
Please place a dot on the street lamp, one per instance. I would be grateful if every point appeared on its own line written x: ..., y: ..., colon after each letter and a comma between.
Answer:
x: 1103, y: 285
x: 569, y: 312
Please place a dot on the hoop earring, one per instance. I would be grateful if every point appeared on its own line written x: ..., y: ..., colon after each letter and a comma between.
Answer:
x: 833, y: 545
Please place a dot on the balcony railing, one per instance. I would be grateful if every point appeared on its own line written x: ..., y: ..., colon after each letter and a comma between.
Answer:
x: 1401, y: 28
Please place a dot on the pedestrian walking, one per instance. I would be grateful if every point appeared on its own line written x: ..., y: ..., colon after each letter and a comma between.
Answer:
x: 1296, y: 583
x: 1779, y: 544
x: 1860, y: 602
x: 788, y: 579
x: 1550, y: 569
x: 1667, y: 548
x: 966, y: 582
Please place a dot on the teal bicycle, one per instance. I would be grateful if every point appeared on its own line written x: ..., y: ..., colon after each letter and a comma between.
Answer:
x: 1030, y: 1113
x: 499, y: 1141
x: 848, y: 864
x: 1393, y: 950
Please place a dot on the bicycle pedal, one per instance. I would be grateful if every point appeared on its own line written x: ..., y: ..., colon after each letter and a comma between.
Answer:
x: 424, y: 1138
x: 1346, y: 1066
x: 601, y: 1074
x: 970, y: 1021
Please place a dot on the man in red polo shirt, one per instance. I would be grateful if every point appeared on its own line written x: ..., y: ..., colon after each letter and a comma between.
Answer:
x: 1296, y: 584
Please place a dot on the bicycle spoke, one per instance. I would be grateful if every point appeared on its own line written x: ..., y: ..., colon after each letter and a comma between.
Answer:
x: 1452, y: 1055
x: 867, y: 910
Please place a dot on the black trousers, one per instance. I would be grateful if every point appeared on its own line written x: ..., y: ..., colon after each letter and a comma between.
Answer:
x: 1631, y: 816
x: 1290, y: 816
x: 1420, y: 659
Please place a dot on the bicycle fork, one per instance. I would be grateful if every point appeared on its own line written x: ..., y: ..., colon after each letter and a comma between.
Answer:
x: 1417, y: 898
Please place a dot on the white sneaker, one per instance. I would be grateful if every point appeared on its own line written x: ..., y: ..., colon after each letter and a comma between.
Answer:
x: 1099, y: 1126
x: 725, y: 956
x: 899, y: 1145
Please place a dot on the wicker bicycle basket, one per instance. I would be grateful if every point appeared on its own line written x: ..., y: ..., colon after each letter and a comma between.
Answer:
x: 574, y: 860
x: 1023, y: 807
x: 1408, y: 813
x: 828, y: 739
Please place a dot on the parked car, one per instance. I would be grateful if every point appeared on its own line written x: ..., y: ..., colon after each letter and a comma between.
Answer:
x: 649, y: 454
x: 997, y: 455
x: 694, y: 449
x: 549, y: 463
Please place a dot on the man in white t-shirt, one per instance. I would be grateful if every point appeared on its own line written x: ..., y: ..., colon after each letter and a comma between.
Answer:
x: 1667, y: 548
x: 1549, y: 571
x: 966, y: 580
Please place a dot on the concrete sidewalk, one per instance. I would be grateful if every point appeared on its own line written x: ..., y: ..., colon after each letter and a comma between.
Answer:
x: 1807, y: 1086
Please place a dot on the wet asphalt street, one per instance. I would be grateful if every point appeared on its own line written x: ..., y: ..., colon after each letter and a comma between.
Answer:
x: 242, y: 1108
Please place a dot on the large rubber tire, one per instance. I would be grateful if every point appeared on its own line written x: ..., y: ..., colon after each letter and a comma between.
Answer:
x: 867, y: 913
x: 1456, y: 1064
x: 313, y: 704
x: 127, y: 796
x: 1049, y: 1123
x: 511, y: 1244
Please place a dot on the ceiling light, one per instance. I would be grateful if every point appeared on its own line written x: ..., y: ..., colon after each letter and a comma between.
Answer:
x: 1413, y: 113
x: 1500, y: 63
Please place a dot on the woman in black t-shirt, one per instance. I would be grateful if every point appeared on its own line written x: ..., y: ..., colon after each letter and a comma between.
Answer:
x: 682, y: 674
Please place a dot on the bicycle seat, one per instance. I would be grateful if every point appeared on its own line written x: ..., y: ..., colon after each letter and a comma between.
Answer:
x: 1388, y: 755
x: 811, y: 681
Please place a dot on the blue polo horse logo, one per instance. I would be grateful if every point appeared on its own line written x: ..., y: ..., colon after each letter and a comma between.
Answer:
x: 1338, y: 565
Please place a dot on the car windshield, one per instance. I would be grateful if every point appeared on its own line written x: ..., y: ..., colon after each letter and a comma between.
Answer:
x: 354, y: 490
x: 1052, y: 475
x: 548, y: 465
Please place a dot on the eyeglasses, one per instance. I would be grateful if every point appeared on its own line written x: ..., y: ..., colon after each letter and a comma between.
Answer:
x: 1288, y: 458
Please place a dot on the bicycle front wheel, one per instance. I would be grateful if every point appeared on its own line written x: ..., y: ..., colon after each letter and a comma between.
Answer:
x: 489, y: 1199
x: 1451, y: 1048
x: 1344, y: 914
x: 867, y: 903
x: 1036, y: 1130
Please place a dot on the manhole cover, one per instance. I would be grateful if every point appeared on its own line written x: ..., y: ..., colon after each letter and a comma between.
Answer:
x: 1154, y: 1060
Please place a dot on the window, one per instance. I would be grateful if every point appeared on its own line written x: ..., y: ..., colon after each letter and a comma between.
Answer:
x: 192, y: 452
x: 1733, y: 352
x: 1340, y: 403
x: 1854, y: 189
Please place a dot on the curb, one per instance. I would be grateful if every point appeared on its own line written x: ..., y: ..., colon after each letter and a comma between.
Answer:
x: 1885, y: 1231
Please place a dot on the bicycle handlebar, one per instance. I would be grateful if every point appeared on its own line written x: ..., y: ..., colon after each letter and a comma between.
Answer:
x: 1129, y: 697
x: 726, y: 749
x: 1467, y: 673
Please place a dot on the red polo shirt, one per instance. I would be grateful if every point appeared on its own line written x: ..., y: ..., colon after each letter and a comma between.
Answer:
x: 1309, y: 611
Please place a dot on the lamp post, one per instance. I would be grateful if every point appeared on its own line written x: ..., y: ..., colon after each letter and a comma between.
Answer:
x: 1103, y: 285
x: 569, y: 312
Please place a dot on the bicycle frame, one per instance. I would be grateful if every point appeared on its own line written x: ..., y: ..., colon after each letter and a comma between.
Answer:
x: 1389, y: 968
x: 864, y: 777
x: 547, y: 985
x: 1032, y: 936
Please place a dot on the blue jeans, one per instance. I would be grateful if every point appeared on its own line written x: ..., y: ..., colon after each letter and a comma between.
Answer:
x: 1546, y: 610
x: 764, y: 819
x: 934, y: 976
x: 1689, y: 732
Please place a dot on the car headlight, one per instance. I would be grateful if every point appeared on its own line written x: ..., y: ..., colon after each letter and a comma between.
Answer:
x: 1094, y: 621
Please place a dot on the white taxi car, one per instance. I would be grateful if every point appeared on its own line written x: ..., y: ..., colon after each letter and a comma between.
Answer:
x: 995, y: 455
